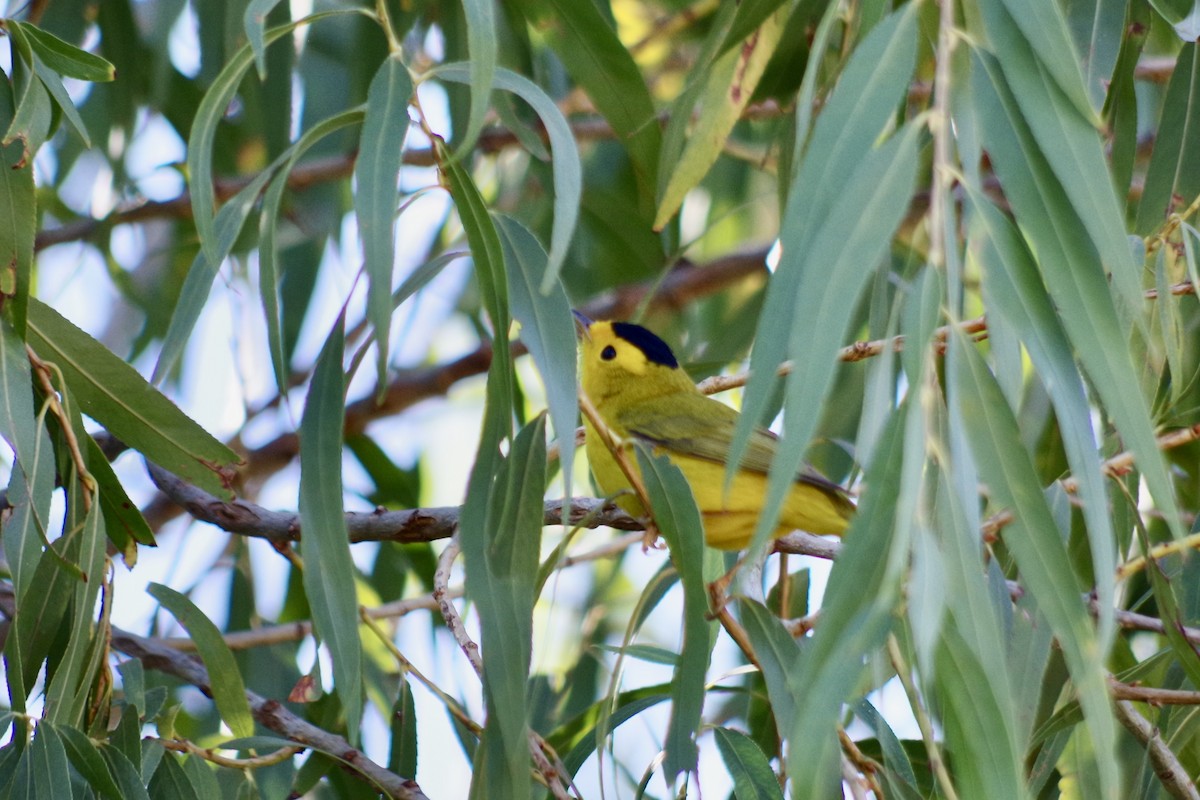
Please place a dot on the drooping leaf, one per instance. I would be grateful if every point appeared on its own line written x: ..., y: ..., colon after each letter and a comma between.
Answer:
x: 728, y: 91
x: 1074, y: 278
x: 268, y: 256
x: 70, y: 687
x: 209, y: 115
x: 115, y: 395
x: 329, y: 573
x: 841, y: 229
x: 225, y: 679
x: 500, y: 548
x: 678, y: 519
x: 568, y: 172
x: 547, y: 328
x: 377, y: 171
x: 86, y: 759
x: 1034, y: 541
x: 594, y: 56
x: 18, y: 215
x: 1014, y: 289
x: 752, y: 776
x: 1173, y: 177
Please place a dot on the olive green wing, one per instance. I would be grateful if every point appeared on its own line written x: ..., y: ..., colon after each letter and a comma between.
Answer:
x: 698, y: 426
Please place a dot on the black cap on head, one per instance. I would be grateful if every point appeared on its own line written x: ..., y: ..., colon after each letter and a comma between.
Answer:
x: 655, y: 349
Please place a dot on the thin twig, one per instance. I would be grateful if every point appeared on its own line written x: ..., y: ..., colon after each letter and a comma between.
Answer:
x: 43, y: 370
x: 1152, y: 695
x: 211, y: 754
x: 1166, y: 765
x: 272, y: 714
x: 453, y: 620
x: 620, y: 455
x: 410, y: 525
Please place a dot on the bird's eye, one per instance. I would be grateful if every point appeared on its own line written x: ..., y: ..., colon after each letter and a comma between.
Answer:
x: 608, y: 353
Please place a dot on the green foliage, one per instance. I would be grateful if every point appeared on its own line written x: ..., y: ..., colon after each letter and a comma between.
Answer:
x: 1010, y: 191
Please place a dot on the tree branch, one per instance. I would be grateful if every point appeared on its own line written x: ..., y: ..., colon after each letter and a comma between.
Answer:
x: 411, y: 525
x: 1166, y: 766
x: 270, y: 713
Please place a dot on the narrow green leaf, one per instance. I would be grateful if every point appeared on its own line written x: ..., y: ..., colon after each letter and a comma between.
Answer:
x: 30, y: 490
x: 731, y: 83
x: 895, y: 759
x: 597, y: 60
x: 43, y: 606
x: 63, y: 58
x: 268, y: 248
x: 329, y: 576
x: 807, y: 94
x: 579, y: 733
x: 1073, y: 277
x: 377, y: 172
x: 1034, y: 540
x: 1186, y: 657
x: 857, y: 232
x: 488, y: 255
x: 1173, y: 177
x: 225, y: 679
x: 68, y: 690
x: 857, y: 610
x: 778, y: 656
x: 547, y: 328
x: 402, y: 757
x: 170, y: 782
x: 1044, y: 26
x: 127, y: 775
x: 86, y: 759
x: 1173, y: 11
x: 1014, y: 289
x: 986, y: 755
x: 254, y: 21
x: 749, y: 16
x: 209, y: 115
x: 1121, y: 102
x: 123, y: 520
x: 644, y: 652
x: 1063, y: 131
x: 1170, y: 324
x: 850, y: 197
x: 43, y: 769
x: 18, y: 215
x: 203, y: 778
x: 568, y: 170
x: 678, y: 519
x: 500, y: 549
x: 482, y: 52
x: 1092, y: 26
x: 58, y: 93
x: 203, y: 271
x: 34, y: 119
x: 752, y: 776
x: 115, y: 395
x: 33, y: 474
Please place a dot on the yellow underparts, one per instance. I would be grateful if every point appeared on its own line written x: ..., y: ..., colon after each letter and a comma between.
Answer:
x: 729, y: 517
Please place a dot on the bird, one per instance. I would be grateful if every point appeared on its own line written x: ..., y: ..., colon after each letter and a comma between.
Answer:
x: 641, y: 394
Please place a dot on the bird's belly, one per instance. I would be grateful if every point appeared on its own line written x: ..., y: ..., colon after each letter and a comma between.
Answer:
x: 729, y: 517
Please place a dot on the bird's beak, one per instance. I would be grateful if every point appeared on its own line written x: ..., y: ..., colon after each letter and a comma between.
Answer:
x: 582, y: 323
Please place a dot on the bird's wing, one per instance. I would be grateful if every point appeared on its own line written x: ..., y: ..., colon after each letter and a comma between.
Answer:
x: 698, y: 426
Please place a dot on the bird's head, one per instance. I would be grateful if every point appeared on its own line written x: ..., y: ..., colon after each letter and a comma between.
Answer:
x: 626, y: 361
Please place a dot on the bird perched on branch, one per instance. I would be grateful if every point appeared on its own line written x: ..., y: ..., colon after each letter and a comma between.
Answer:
x: 632, y: 379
